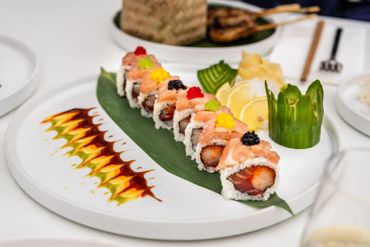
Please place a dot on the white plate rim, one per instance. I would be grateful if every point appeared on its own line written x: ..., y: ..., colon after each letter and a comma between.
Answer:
x: 25, y: 181
x: 63, y: 238
x: 29, y: 84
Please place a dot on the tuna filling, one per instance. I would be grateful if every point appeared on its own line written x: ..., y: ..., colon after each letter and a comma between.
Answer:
x: 253, y: 180
x: 195, y: 137
x: 167, y: 113
x: 211, y: 155
x: 183, y: 123
x: 135, y: 90
x: 148, y: 103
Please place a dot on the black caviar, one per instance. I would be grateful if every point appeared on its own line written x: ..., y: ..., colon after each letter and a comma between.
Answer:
x: 250, y: 138
x: 175, y: 84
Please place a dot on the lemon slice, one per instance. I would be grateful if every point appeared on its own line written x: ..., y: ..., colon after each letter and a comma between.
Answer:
x: 255, y: 113
x: 238, y: 97
x: 223, y: 92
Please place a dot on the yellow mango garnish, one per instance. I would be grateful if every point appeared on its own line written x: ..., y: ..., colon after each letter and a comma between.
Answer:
x: 159, y: 75
x: 225, y: 120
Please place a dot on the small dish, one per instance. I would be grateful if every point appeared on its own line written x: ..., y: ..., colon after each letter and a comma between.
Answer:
x: 349, y: 106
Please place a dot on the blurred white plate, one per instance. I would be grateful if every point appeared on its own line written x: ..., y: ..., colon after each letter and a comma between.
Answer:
x: 187, y: 211
x: 56, y: 242
x: 349, y: 106
x: 187, y: 54
x: 18, y: 67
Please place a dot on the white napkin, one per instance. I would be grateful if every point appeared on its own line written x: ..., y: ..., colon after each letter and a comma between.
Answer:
x: 292, y: 49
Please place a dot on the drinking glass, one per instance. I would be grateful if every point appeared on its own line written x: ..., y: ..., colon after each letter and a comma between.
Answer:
x: 340, y: 215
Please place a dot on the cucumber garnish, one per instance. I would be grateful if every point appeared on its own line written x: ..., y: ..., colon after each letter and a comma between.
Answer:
x: 213, y: 77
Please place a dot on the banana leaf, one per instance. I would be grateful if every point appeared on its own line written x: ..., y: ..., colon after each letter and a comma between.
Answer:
x: 160, y: 144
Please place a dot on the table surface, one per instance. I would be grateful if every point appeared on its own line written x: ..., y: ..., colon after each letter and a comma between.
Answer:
x: 71, y: 40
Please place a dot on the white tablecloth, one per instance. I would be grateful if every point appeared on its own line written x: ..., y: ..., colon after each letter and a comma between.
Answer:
x: 71, y: 40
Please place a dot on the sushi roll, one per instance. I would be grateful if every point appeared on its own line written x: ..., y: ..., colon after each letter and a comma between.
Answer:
x: 135, y: 76
x: 248, y: 169
x: 197, y: 122
x: 128, y: 61
x: 188, y: 102
x: 165, y: 105
x: 150, y: 85
x: 213, y: 139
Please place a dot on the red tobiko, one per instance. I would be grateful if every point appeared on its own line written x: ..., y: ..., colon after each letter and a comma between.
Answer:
x: 194, y: 92
x: 140, y: 51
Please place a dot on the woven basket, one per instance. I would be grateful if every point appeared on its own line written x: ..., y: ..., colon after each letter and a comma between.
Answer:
x: 175, y: 22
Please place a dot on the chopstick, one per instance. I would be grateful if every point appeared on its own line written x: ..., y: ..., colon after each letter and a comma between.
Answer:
x: 312, y: 50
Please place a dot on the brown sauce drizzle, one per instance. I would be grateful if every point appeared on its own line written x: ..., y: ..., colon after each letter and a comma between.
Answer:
x: 88, y: 142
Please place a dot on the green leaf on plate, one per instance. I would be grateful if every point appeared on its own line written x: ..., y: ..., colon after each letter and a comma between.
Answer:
x: 160, y: 144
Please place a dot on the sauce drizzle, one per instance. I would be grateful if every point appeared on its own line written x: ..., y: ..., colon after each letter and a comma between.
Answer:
x: 88, y: 142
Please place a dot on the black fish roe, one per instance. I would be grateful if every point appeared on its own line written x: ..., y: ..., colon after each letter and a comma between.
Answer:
x: 175, y: 84
x: 250, y: 138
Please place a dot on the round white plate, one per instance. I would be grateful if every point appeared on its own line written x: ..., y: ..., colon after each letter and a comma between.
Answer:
x: 352, y: 110
x: 193, y: 55
x: 18, y: 67
x: 56, y: 242
x: 187, y: 212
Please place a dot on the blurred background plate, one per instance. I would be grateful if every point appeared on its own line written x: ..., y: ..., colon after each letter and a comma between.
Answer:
x: 56, y: 242
x: 204, y: 51
x: 18, y: 68
x: 349, y: 106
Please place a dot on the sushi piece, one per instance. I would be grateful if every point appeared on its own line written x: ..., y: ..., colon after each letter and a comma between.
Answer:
x: 165, y: 105
x: 128, y: 61
x: 134, y: 78
x: 187, y: 103
x: 248, y: 169
x: 150, y: 85
x: 197, y: 122
x: 213, y: 139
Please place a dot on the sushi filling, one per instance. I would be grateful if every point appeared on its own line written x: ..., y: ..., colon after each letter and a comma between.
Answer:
x: 195, y: 137
x: 254, y: 180
x: 148, y: 103
x: 167, y: 113
x: 210, y: 155
x: 183, y: 123
x: 135, y: 90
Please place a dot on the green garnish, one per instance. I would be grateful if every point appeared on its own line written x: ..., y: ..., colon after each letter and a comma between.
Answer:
x: 212, y: 105
x: 145, y: 63
x: 215, y: 76
x: 295, y: 119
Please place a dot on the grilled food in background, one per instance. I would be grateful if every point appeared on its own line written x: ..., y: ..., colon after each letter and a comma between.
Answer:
x: 225, y: 24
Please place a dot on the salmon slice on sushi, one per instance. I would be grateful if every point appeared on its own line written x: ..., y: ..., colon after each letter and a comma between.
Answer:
x: 188, y: 102
x: 197, y: 123
x: 213, y: 139
x: 129, y: 61
x: 135, y: 76
x: 165, y: 105
x: 149, y: 90
x: 248, y: 169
